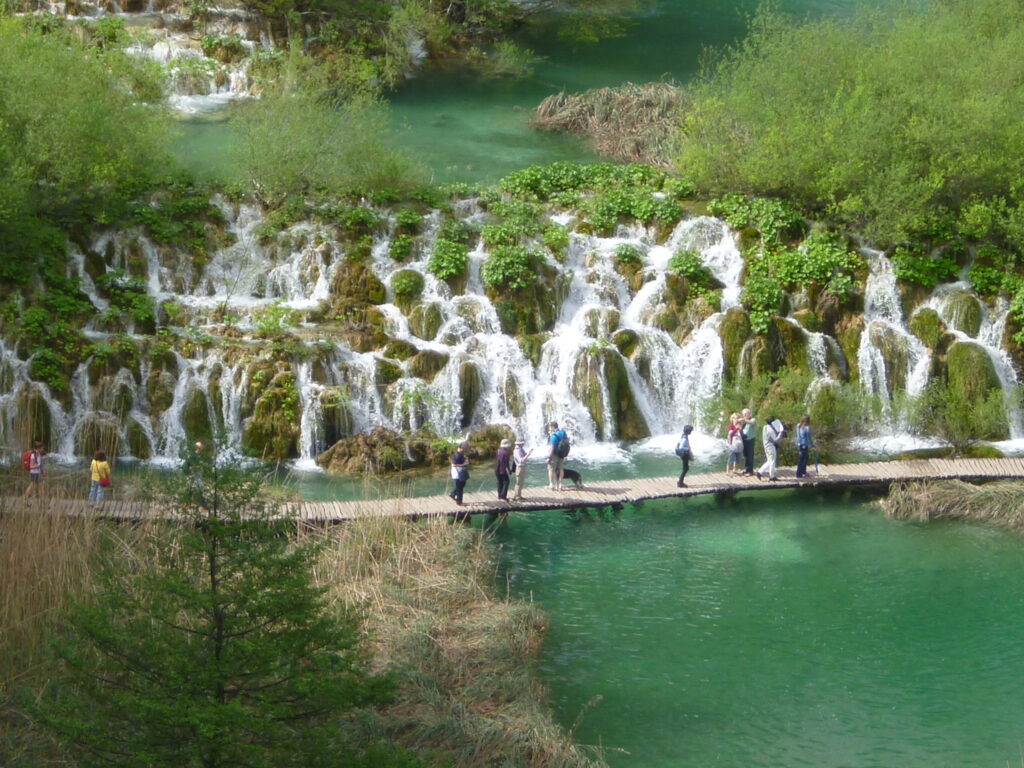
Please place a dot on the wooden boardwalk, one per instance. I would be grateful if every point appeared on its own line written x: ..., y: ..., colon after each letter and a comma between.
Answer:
x: 614, y: 493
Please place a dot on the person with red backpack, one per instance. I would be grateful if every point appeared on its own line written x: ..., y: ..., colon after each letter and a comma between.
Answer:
x: 32, y: 461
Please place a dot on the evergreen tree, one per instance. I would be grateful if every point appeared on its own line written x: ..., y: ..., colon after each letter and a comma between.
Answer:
x: 212, y: 647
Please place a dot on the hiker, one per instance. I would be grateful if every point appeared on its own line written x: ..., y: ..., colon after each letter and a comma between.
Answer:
x: 748, y: 430
x: 734, y: 445
x: 683, y: 452
x: 519, y: 457
x: 33, y: 461
x: 99, y: 469
x: 772, y: 433
x: 558, y: 443
x: 804, y: 443
x: 460, y: 472
x: 502, y: 461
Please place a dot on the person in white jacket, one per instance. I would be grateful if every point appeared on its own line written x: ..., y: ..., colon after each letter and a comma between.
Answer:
x: 772, y: 433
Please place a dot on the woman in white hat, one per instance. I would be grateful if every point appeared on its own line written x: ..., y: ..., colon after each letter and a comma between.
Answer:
x: 519, y: 457
x: 502, y: 468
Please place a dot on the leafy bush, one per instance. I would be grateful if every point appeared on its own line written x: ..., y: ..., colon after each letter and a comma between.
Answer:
x: 449, y: 259
x: 401, y: 246
x: 628, y: 254
x: 702, y: 281
x: 509, y: 268
x: 927, y: 269
x: 772, y: 217
x: 407, y: 283
x: 762, y: 296
x: 408, y: 221
x: 555, y: 238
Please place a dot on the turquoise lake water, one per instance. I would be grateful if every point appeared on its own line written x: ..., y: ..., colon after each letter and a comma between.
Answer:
x: 778, y: 630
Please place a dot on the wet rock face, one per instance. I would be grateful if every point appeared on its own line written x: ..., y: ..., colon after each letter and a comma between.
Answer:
x: 964, y: 312
x: 605, y: 364
x: 384, y: 450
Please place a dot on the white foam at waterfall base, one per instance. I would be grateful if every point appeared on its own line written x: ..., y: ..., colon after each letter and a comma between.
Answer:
x: 890, y: 445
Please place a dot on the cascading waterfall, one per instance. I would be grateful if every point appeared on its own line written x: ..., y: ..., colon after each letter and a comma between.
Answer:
x: 885, y: 332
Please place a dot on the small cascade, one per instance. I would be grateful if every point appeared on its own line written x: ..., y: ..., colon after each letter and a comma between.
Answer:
x: 889, y: 357
x: 972, y: 320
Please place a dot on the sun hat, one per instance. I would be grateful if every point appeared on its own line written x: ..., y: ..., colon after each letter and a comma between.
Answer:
x: 505, y: 443
x: 520, y: 441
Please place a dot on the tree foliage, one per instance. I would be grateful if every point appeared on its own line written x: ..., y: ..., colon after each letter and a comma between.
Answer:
x: 888, y: 121
x: 210, y: 646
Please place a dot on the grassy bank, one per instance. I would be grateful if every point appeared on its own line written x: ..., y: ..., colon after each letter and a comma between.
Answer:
x: 1000, y: 503
x: 463, y: 654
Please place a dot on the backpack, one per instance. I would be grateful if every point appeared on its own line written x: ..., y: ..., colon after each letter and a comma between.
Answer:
x: 562, y: 447
x: 26, y: 460
x: 682, y: 449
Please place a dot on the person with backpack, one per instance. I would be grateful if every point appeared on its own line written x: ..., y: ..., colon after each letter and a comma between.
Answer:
x: 771, y: 435
x: 683, y: 452
x: 804, y: 443
x: 460, y: 472
x: 748, y: 428
x: 32, y: 461
x: 558, y: 441
x: 99, y: 470
x: 502, y: 468
x: 734, y: 445
x: 519, y: 457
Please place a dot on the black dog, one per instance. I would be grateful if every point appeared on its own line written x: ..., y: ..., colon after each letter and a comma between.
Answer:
x: 573, y: 476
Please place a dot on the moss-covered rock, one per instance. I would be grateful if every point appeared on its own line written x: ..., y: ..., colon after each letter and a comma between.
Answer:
x: 425, y: 320
x: 912, y: 296
x: 383, y: 450
x: 601, y: 369
x: 734, y: 331
x: 484, y: 443
x: 114, y: 395
x: 385, y: 373
x: 808, y: 320
x: 625, y: 340
x: 533, y: 309
x: 272, y: 433
x: 400, y: 349
x: 970, y: 371
x: 362, y: 329
x: 407, y: 286
x: 355, y: 284
x: 1013, y: 348
x: 96, y: 432
x: 963, y: 311
x: 601, y: 322
x: 195, y: 417
x: 427, y: 363
x: 139, y: 444
x: 336, y: 414
x: 34, y: 421
x: 928, y: 327
x: 895, y: 352
x: 848, y: 331
x: 793, y: 341
x: 470, y: 384
x: 533, y: 346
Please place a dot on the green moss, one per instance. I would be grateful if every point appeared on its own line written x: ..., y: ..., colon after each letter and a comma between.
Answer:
x: 425, y: 320
x: 605, y: 362
x: 928, y: 327
x: 625, y: 340
x: 95, y: 433
x: 794, y: 344
x: 533, y: 346
x: 808, y: 320
x: 734, y: 332
x: 399, y: 349
x: 195, y: 417
x: 893, y: 348
x: 849, y: 329
x: 964, y: 312
x: 427, y: 364
x: 407, y: 285
x: 970, y: 371
x: 354, y: 283
x: 272, y: 433
x: 385, y: 373
x: 138, y: 443
x: 469, y: 391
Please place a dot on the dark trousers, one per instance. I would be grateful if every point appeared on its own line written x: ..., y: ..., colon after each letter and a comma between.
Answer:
x: 460, y: 486
x: 686, y: 468
x: 801, y: 465
x: 748, y: 455
x: 502, y: 486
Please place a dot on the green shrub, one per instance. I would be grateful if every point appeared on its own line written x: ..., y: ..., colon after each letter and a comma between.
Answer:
x: 407, y: 284
x: 401, y: 246
x: 449, y: 259
x: 762, y: 296
x: 509, y: 268
x: 556, y: 239
x: 915, y: 266
x: 408, y: 221
x: 772, y: 217
x: 628, y: 254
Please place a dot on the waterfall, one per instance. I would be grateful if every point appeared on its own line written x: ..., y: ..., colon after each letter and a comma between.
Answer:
x: 883, y: 326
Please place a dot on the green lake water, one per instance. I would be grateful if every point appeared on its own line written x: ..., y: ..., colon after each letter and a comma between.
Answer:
x: 780, y: 630
x: 464, y: 128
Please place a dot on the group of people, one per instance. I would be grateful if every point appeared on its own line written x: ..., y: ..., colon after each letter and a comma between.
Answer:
x: 99, y: 473
x: 740, y: 442
x: 511, y: 461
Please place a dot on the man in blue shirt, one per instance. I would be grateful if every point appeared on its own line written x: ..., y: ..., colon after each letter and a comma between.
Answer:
x: 556, y: 463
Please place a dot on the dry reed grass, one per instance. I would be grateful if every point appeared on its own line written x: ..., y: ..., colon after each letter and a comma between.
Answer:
x: 464, y: 655
x: 629, y: 123
x: 1000, y: 503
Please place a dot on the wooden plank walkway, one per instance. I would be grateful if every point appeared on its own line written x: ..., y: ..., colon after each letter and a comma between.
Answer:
x: 614, y: 493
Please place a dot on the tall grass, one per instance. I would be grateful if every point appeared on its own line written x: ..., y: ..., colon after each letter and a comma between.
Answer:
x: 1000, y: 503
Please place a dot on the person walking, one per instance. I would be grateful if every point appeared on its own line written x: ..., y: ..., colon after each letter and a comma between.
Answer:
x: 519, y: 457
x: 460, y: 472
x: 556, y: 460
x: 734, y: 445
x: 33, y: 462
x: 99, y: 469
x: 502, y: 460
x: 804, y: 443
x: 748, y: 430
x: 772, y: 433
x: 683, y: 452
